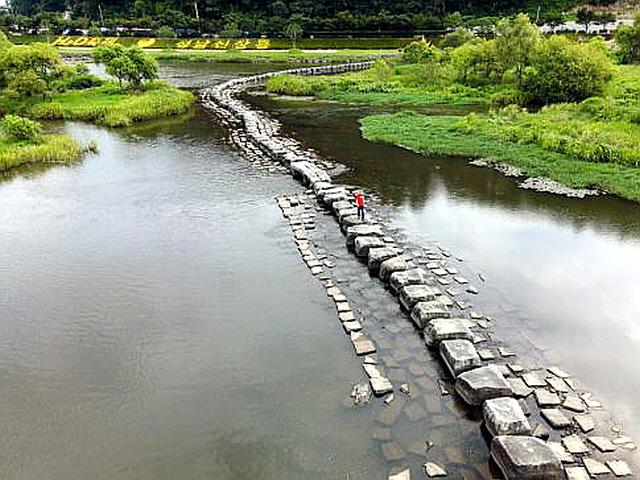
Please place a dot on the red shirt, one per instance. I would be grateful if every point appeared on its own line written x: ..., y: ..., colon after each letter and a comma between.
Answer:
x: 359, y: 200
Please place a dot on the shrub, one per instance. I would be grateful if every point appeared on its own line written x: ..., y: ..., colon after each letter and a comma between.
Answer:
x: 562, y: 71
x: 21, y: 129
x: 419, y: 52
x: 628, y: 42
x: 457, y: 38
x: 166, y: 32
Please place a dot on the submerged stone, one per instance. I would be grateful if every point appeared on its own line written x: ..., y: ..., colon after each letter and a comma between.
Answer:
x: 434, y: 471
x: 392, y: 451
x: 401, y: 475
x: 481, y: 384
x: 459, y: 356
x: 503, y: 416
x: 525, y: 458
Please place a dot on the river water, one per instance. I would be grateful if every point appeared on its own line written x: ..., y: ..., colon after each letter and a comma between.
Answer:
x: 158, y: 323
x: 561, y: 276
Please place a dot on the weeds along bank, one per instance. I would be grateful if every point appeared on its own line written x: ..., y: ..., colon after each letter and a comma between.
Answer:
x: 583, y: 130
x: 35, y: 84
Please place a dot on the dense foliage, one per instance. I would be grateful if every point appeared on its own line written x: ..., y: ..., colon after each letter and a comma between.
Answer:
x: 18, y: 128
x: 130, y: 65
x: 271, y: 17
x: 628, y: 42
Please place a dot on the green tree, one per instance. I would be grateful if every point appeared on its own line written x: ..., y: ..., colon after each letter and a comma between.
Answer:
x: 516, y: 41
x: 564, y: 71
x: 458, y: 37
x: 586, y: 17
x: 129, y: 65
x: 293, y: 31
x: 231, y: 29
x: 476, y: 63
x: 29, y: 70
x: 627, y: 39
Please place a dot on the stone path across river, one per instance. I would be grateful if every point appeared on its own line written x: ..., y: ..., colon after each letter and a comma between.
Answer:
x: 540, y: 423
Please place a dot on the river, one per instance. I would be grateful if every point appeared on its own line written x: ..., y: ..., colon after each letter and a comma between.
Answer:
x: 158, y: 323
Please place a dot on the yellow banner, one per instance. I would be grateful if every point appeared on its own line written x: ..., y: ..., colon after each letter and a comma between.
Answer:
x: 183, y: 44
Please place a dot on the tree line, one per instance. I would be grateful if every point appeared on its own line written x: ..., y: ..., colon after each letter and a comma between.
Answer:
x: 271, y: 17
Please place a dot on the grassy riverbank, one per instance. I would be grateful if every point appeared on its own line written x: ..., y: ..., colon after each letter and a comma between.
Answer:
x: 445, y: 135
x: 51, y: 149
x: 108, y: 104
x: 404, y: 85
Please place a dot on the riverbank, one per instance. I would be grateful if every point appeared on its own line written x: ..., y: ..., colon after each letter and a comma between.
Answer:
x: 108, y: 104
x: 51, y: 149
x: 445, y: 135
x: 282, y: 56
x: 383, y: 85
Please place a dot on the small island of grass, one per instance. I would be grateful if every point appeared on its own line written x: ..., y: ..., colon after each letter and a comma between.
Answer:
x: 35, y: 84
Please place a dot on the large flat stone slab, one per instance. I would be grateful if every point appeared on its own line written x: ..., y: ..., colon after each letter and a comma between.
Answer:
x: 364, y: 244
x: 481, y: 384
x: 413, y: 276
x: 363, y: 230
x: 459, y: 356
x: 392, y: 265
x: 525, y: 458
x: 410, y: 295
x: 441, y: 329
x: 504, y: 416
x: 423, y: 312
x: 379, y: 255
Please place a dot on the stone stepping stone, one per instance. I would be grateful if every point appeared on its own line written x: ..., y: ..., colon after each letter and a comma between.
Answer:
x: 346, y: 316
x: 381, y: 385
x: 575, y: 445
x: 459, y: 356
x: 577, y: 473
x: 486, y: 354
x: 353, y: 326
x: 379, y: 255
x: 343, y: 307
x: 461, y: 280
x: 364, y: 244
x: 544, y: 398
x: 525, y: 458
x: 333, y: 291
x: 433, y: 470
x: 392, y: 265
x: 504, y: 416
x: 481, y: 384
x: 363, y: 230
x: 602, y: 443
x: 519, y: 388
x: 560, y: 452
x: 392, y: 452
x: 423, y: 312
x: 558, y: 372
x: 595, y: 467
x: 555, y: 418
x: 574, y: 403
x: 533, y: 380
x: 402, y: 475
x: 585, y: 422
x: 505, y: 352
x: 515, y: 368
x: 440, y: 329
x: 619, y: 468
x: 558, y: 385
x: 414, y: 276
x: 362, y: 344
x: 412, y: 294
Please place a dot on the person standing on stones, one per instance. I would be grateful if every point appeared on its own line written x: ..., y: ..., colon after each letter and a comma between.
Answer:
x: 360, y: 203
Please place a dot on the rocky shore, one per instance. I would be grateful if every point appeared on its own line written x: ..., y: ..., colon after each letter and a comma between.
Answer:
x: 539, y: 422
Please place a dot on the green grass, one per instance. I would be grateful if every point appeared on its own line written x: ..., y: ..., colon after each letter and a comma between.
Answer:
x: 445, y: 135
x: 52, y: 149
x: 406, y: 85
x: 280, y: 56
x: 108, y: 105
